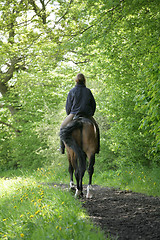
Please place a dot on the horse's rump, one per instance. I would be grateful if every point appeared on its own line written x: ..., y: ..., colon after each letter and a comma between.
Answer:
x: 80, y: 133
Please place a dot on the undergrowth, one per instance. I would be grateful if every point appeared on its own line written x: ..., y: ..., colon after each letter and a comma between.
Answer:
x: 31, y: 210
x: 136, y: 178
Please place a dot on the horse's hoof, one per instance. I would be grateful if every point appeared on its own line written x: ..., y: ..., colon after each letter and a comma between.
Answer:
x: 71, y: 184
x: 89, y: 192
x: 78, y: 194
x: 72, y: 187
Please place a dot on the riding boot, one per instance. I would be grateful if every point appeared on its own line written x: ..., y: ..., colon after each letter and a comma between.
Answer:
x: 62, y: 147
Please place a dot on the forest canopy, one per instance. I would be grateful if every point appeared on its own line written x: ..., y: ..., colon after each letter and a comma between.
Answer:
x: 45, y: 43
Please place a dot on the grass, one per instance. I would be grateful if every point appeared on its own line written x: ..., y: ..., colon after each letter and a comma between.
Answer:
x: 30, y: 210
x: 137, y: 179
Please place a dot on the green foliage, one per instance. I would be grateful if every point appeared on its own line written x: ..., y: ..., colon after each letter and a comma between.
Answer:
x: 114, y: 43
x: 147, y: 101
x: 124, y: 65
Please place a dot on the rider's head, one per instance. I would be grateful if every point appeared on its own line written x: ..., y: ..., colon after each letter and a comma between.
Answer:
x: 80, y: 79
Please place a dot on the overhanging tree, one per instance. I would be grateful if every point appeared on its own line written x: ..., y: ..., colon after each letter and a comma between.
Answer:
x: 109, y: 40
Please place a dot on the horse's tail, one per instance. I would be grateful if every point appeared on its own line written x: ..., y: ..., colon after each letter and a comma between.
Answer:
x: 66, y: 136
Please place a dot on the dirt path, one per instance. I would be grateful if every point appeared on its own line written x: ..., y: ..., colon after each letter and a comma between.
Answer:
x: 125, y: 215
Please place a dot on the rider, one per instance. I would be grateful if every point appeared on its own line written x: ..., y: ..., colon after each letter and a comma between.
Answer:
x: 80, y: 102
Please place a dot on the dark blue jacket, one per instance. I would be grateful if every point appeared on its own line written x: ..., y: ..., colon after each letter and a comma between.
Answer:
x: 80, y: 101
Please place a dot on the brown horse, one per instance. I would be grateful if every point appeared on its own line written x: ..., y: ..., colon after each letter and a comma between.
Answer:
x: 81, y: 141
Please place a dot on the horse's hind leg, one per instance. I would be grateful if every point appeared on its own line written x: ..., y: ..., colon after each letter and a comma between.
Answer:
x: 81, y: 183
x: 78, y: 191
x: 90, y: 172
x: 80, y: 175
x: 91, y: 168
x: 71, y: 170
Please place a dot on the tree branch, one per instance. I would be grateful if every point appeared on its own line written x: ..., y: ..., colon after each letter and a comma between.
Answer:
x: 96, y: 22
x: 9, y: 125
x: 40, y: 12
x: 64, y: 13
x: 80, y: 62
x: 5, y: 77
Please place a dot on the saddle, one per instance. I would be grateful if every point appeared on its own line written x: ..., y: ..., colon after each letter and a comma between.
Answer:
x: 81, y: 116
